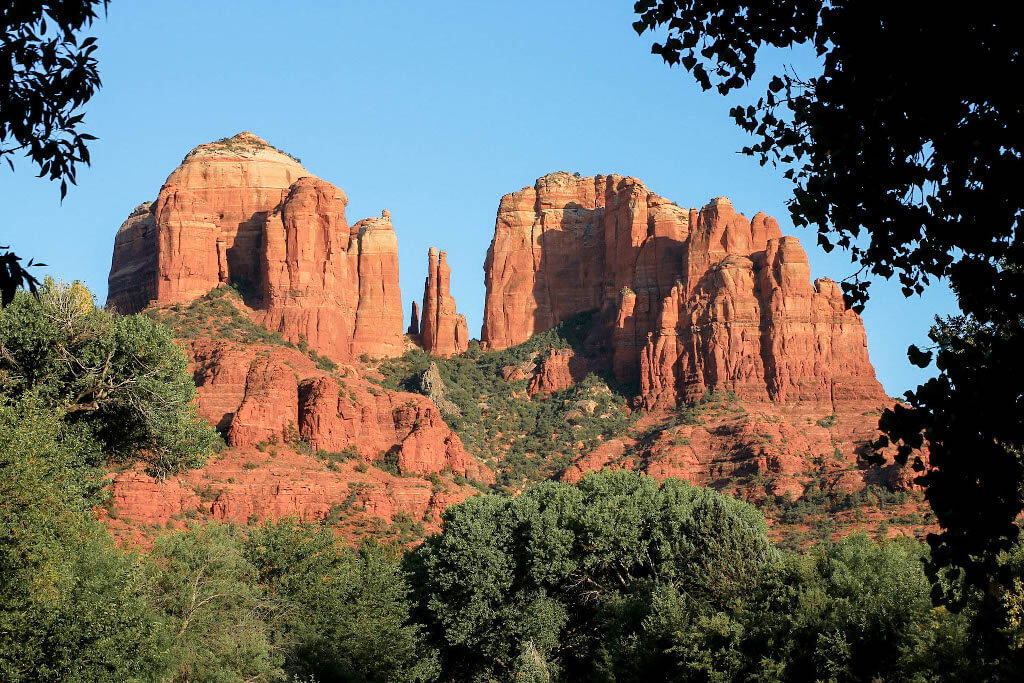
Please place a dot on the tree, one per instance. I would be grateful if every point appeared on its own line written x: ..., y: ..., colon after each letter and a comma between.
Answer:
x: 217, y: 614
x: 557, y: 581
x: 46, y: 76
x: 122, y: 377
x: 345, y: 612
x: 906, y: 153
x: 72, y: 607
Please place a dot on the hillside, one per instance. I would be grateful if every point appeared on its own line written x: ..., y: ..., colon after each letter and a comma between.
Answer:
x: 621, y: 331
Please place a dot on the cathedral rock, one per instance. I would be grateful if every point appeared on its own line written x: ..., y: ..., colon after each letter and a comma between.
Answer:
x: 688, y: 300
x: 238, y: 211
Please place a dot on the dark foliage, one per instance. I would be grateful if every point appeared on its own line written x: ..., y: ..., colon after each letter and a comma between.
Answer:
x: 907, y: 152
x: 46, y: 75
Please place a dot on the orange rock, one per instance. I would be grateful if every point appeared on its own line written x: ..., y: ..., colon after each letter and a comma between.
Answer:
x: 246, y: 485
x: 240, y: 211
x: 270, y: 406
x: 688, y: 301
x: 558, y: 371
x: 442, y: 329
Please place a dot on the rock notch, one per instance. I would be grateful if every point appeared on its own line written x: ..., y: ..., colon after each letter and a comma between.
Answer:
x: 689, y: 301
x: 241, y: 212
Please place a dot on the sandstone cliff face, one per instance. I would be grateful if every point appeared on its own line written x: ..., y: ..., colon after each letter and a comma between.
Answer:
x: 442, y: 330
x: 132, y: 282
x: 247, y: 484
x: 689, y: 300
x: 239, y: 211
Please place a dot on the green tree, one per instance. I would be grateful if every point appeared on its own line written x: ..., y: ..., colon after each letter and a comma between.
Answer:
x: 72, y: 607
x: 558, y: 580
x: 861, y: 610
x: 345, y: 613
x: 217, y: 614
x: 122, y: 377
x: 906, y: 153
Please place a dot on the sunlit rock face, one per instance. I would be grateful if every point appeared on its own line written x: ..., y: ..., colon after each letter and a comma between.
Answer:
x: 238, y: 211
x: 443, y: 331
x: 688, y: 300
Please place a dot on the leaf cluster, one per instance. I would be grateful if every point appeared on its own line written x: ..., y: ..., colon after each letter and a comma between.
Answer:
x: 906, y: 156
x: 47, y: 73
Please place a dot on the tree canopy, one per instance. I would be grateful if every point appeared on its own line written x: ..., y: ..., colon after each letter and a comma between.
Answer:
x: 121, y: 377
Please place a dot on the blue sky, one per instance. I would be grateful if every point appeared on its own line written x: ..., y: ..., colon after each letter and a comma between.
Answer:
x: 430, y: 110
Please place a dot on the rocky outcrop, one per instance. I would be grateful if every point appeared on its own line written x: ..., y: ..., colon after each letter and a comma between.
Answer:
x: 238, y: 211
x: 443, y: 331
x: 260, y: 394
x: 246, y: 484
x: 558, y: 371
x: 132, y: 282
x: 432, y: 386
x: 689, y: 301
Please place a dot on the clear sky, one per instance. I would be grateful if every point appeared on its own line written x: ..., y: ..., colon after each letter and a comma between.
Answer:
x: 431, y: 110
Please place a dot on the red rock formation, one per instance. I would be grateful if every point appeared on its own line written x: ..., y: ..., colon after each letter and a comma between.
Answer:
x: 270, y: 406
x: 246, y: 484
x: 132, y: 283
x: 407, y: 427
x: 751, y: 450
x: 278, y: 411
x: 558, y: 371
x: 378, y: 326
x: 414, y: 319
x: 571, y: 244
x: 443, y: 331
x: 688, y: 301
x: 240, y: 211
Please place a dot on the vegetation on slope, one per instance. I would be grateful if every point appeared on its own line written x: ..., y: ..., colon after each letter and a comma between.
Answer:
x: 218, y: 315
x: 524, y: 439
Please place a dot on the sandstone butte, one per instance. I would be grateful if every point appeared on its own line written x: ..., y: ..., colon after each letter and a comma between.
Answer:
x: 238, y: 211
x: 443, y: 332
x: 689, y: 301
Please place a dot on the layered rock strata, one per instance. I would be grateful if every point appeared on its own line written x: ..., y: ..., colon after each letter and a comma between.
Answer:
x: 689, y: 301
x: 239, y: 211
x: 443, y: 332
